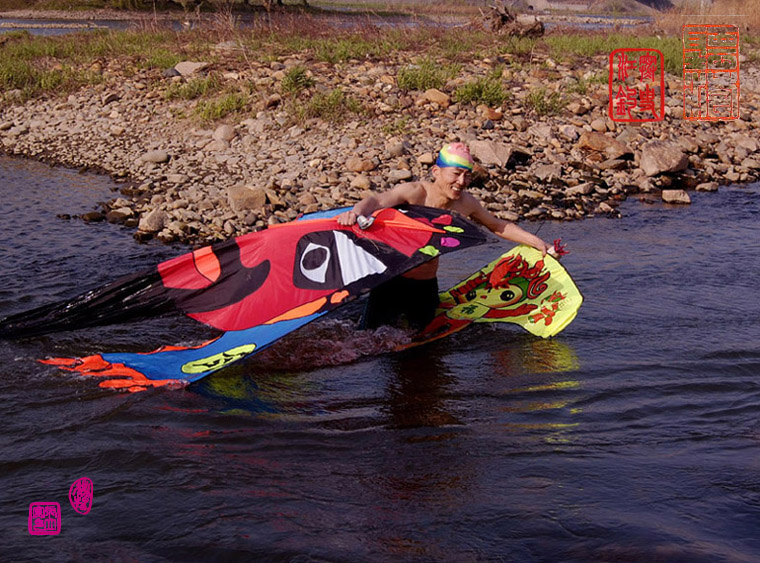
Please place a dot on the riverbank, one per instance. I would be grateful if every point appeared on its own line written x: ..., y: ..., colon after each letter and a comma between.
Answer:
x: 265, y: 127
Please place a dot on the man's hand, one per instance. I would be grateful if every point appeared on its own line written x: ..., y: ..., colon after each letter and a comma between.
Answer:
x: 347, y: 218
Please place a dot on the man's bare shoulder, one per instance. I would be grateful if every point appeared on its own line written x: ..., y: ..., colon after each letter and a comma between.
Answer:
x: 413, y: 192
x: 467, y: 204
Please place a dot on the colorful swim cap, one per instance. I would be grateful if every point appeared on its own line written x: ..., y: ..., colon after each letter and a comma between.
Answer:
x: 455, y: 155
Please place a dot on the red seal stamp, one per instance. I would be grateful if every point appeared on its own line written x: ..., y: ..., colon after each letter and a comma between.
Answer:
x: 710, y: 72
x: 81, y: 494
x: 636, y: 85
x: 44, y: 518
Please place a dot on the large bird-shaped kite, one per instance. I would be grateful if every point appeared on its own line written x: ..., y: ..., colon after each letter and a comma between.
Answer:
x: 256, y: 288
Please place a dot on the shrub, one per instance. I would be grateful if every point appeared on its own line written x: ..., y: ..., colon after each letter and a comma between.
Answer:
x: 295, y: 81
x: 541, y: 104
x: 333, y: 107
x: 339, y: 50
x: 194, y: 88
x: 217, y: 108
x: 487, y: 91
x: 425, y: 75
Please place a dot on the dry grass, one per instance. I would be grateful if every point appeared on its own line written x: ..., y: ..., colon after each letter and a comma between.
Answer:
x: 743, y: 13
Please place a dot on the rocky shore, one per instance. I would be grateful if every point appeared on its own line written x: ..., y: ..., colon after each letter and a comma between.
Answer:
x: 183, y: 180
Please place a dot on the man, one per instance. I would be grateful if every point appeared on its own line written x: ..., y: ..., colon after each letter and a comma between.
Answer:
x: 414, y: 295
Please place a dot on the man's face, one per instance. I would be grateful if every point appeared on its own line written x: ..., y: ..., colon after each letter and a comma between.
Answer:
x: 453, y: 180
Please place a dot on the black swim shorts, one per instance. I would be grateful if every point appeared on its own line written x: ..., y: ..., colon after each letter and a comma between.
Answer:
x: 401, y: 302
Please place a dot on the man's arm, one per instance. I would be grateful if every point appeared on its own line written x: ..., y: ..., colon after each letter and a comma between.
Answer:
x: 403, y: 193
x: 501, y: 228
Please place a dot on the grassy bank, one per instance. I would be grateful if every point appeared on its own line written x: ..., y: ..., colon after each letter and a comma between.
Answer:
x: 39, y: 65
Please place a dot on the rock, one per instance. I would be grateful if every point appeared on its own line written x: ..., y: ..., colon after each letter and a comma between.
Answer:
x: 599, y: 125
x: 493, y: 114
x: 116, y: 130
x: 224, y: 133
x: 92, y: 217
x: 436, y: 96
x: 662, y: 157
x: 307, y: 199
x: 426, y: 159
x: 171, y: 73
x: 116, y: 217
x: 548, y: 171
x: 576, y: 108
x: 396, y: 150
x: 361, y: 182
x: 745, y: 142
x: 110, y: 98
x: 540, y: 130
x: 581, y: 189
x: 216, y: 145
x: 569, y: 132
x: 613, y: 164
x: 176, y: 178
x: 18, y: 130
x: 157, y: 157
x: 396, y: 176
x: 530, y: 194
x: 153, y: 222
x: 647, y: 186
x: 751, y: 163
x: 356, y: 164
x: 600, y: 142
x: 675, y: 196
x: 242, y: 198
x: 707, y: 187
x: 499, y: 154
x: 273, y: 101
x: 187, y: 68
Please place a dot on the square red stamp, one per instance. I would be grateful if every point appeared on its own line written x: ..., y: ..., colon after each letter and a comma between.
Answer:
x: 710, y: 72
x: 636, y: 85
x: 44, y: 518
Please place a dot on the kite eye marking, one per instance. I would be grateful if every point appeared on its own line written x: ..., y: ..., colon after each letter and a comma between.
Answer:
x: 314, y: 262
x: 511, y: 296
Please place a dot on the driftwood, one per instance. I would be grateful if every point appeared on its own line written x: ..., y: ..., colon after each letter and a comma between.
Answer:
x: 502, y: 19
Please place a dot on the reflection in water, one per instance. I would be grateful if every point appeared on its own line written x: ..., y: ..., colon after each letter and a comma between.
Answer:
x: 535, y: 355
x: 417, y: 392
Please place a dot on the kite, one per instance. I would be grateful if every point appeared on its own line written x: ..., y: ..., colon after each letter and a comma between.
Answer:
x: 256, y: 288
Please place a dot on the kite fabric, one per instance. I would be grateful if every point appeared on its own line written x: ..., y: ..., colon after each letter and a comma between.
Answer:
x: 521, y: 286
x: 256, y: 288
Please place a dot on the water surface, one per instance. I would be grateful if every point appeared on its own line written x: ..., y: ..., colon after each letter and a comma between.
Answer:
x: 632, y: 436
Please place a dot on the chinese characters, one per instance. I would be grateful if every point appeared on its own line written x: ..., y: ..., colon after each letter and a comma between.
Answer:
x: 636, y: 85
x: 710, y: 72
x: 80, y: 495
x: 44, y: 518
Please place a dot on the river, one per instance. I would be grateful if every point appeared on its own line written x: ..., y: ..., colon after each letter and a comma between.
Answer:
x: 632, y: 436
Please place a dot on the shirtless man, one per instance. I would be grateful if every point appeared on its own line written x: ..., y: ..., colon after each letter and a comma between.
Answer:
x: 414, y: 295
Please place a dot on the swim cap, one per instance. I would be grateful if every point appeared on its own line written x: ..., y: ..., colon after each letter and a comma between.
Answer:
x: 455, y: 155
